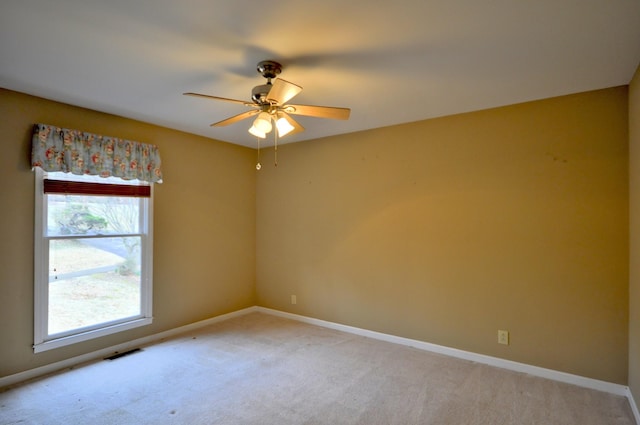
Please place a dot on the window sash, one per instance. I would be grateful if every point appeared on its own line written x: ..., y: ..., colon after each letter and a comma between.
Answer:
x: 92, y: 327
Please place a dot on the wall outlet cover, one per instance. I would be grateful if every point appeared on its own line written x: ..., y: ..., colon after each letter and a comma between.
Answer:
x: 503, y: 337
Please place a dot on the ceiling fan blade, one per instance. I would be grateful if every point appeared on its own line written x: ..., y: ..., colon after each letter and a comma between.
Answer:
x: 282, y: 91
x: 318, y: 111
x: 206, y: 96
x: 235, y: 118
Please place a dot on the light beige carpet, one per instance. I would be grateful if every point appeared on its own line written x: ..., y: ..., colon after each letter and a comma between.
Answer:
x: 260, y: 369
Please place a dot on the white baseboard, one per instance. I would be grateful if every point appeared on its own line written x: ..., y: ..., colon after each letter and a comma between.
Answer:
x: 466, y: 355
x: 100, y: 354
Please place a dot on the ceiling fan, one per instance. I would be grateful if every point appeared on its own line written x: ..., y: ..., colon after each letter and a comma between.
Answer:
x: 269, y: 104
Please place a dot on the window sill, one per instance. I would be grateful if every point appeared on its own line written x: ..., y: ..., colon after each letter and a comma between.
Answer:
x: 92, y: 334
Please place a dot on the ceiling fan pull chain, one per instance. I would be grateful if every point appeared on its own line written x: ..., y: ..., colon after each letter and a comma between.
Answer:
x: 258, y: 165
x: 275, y: 148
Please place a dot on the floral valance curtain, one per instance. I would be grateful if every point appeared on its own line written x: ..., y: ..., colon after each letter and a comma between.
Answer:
x: 77, y: 152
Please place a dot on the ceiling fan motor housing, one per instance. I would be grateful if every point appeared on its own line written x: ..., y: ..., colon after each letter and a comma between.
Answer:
x: 259, y: 94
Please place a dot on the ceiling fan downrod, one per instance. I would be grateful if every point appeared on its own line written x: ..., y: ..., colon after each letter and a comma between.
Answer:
x: 269, y: 70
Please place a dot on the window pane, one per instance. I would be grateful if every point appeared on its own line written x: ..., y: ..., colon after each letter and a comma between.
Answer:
x: 92, y: 215
x: 93, y: 281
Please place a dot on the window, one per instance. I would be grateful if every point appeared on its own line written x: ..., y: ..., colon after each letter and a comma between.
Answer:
x: 93, y: 257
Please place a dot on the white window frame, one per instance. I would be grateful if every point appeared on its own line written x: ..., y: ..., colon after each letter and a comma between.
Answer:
x: 43, y: 341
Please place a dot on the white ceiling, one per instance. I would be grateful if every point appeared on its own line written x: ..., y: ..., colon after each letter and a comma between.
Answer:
x: 391, y: 62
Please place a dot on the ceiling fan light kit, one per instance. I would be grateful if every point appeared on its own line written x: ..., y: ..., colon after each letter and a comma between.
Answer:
x: 284, y: 127
x: 269, y: 103
x: 255, y: 132
x: 263, y: 123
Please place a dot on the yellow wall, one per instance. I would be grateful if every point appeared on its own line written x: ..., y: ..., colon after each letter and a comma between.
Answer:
x: 449, y: 229
x: 634, y: 200
x: 443, y: 230
x: 204, y: 226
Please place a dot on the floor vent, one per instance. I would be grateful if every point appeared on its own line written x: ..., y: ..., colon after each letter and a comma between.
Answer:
x: 126, y: 353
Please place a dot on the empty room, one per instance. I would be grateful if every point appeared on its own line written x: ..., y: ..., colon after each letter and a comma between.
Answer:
x: 418, y: 212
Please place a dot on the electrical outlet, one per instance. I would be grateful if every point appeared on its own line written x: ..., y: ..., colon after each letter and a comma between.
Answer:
x: 503, y: 337
x: 294, y: 299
